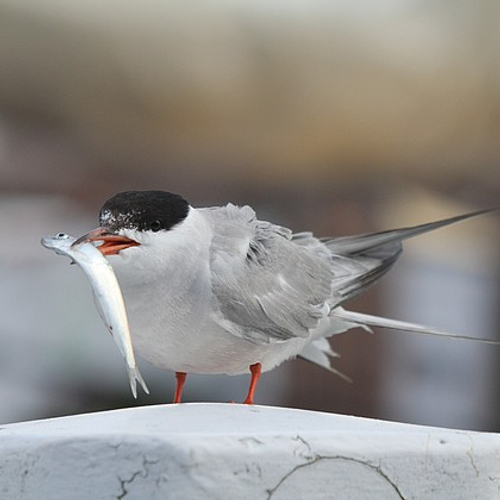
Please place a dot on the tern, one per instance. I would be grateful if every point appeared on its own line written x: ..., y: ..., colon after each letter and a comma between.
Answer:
x: 217, y: 291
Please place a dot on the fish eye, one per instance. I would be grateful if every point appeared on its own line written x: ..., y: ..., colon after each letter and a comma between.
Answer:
x: 62, y: 236
x: 156, y: 225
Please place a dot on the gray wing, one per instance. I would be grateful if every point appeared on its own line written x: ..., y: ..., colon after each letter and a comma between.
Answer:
x: 352, y: 273
x: 359, y: 261
x: 270, y: 285
x: 266, y: 286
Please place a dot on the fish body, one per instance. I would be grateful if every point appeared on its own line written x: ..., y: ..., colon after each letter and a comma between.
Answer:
x: 107, y: 296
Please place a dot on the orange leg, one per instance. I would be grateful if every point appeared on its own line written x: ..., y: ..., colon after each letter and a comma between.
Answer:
x: 181, y: 379
x: 255, y: 369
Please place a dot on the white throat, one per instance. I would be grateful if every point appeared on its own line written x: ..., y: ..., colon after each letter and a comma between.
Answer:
x: 166, y: 281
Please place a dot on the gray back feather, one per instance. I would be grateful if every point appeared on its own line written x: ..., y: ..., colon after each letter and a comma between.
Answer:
x: 268, y: 286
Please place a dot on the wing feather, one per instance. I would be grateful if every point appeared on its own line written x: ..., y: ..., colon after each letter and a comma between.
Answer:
x: 272, y: 289
x: 270, y: 285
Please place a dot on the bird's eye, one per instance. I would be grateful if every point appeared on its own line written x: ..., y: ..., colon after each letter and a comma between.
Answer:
x: 156, y: 225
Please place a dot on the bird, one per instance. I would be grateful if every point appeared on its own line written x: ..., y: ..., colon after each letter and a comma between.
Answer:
x: 215, y: 290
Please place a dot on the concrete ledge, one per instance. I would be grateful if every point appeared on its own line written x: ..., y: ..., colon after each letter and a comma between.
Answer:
x: 220, y: 451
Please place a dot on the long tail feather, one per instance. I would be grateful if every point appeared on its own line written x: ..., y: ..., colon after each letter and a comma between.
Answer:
x: 369, y: 320
x: 360, y: 243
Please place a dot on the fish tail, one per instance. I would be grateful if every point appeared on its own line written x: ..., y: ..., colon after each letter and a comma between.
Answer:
x: 134, y: 376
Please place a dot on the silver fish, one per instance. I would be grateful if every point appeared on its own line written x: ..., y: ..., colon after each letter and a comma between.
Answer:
x: 107, y: 296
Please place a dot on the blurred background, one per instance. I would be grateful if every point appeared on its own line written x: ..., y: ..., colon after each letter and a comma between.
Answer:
x: 338, y: 117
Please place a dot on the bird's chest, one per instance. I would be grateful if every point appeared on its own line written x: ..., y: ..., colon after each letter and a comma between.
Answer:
x: 167, y: 312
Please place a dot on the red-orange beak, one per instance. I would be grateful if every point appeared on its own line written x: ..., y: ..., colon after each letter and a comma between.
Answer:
x: 112, y: 244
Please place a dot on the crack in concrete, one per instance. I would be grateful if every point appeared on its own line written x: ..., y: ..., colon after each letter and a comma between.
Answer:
x: 315, y: 458
x: 127, y: 482
x: 494, y: 479
x: 248, y: 441
x: 310, y: 454
x: 250, y: 469
x: 470, y: 454
x: 144, y: 472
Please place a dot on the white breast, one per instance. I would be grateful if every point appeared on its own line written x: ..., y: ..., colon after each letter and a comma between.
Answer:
x: 166, y: 285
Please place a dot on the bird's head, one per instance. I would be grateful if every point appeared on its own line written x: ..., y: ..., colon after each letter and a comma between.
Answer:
x: 136, y: 218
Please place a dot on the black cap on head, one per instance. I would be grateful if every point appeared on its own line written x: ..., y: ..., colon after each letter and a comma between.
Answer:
x: 143, y: 211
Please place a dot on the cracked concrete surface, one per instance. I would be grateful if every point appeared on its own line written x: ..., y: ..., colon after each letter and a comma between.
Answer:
x: 144, y: 473
x: 289, y: 486
x: 221, y: 451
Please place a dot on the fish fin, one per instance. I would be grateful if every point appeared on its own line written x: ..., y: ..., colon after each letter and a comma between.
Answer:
x: 364, y: 320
